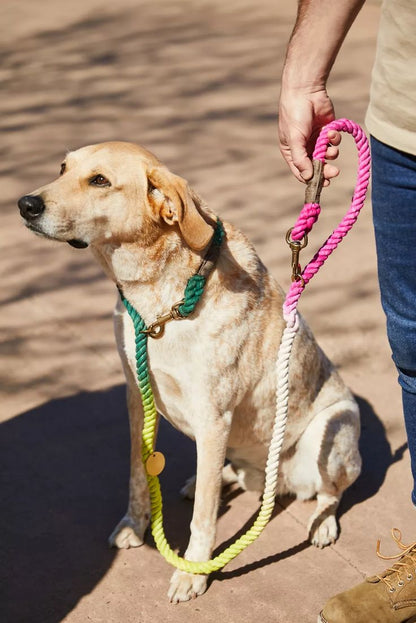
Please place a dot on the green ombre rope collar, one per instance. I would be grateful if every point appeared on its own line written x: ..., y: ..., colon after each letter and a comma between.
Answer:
x: 194, y: 288
x: 154, y: 461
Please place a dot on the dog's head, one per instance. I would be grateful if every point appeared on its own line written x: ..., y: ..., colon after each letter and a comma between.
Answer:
x: 113, y: 193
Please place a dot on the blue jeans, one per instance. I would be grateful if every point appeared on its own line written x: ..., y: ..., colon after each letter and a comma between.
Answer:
x: 394, y: 215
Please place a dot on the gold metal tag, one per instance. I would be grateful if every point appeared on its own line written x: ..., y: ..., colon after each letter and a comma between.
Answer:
x: 155, y: 464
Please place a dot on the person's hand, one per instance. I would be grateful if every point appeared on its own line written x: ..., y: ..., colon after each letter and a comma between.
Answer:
x: 302, y: 114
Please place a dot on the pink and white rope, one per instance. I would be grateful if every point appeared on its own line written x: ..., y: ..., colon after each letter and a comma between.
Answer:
x: 303, y: 226
x: 310, y: 211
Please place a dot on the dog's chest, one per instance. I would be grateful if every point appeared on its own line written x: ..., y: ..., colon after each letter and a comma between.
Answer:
x: 171, y: 396
x: 173, y: 366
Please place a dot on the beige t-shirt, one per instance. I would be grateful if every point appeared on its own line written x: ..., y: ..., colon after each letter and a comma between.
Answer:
x: 391, y: 115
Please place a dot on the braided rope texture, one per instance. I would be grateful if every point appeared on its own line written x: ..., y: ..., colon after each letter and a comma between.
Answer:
x: 303, y: 225
x: 196, y: 284
x: 193, y: 292
x: 306, y: 220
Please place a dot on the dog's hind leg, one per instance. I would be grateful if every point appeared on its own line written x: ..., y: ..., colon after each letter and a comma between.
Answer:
x: 129, y: 532
x: 325, y: 463
x: 322, y: 525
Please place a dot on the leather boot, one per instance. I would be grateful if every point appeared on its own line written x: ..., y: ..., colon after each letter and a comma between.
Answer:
x: 386, y: 598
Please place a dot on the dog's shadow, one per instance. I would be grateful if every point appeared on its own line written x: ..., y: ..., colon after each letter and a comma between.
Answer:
x: 377, y: 456
x: 64, y: 477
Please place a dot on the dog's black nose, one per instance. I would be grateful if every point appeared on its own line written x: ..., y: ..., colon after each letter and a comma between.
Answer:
x: 31, y: 206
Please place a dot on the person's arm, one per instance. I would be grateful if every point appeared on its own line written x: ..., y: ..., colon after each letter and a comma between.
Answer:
x: 305, y: 107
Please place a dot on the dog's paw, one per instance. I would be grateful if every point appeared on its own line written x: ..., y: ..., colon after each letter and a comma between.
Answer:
x: 128, y: 533
x: 325, y: 533
x: 188, y: 489
x: 185, y: 586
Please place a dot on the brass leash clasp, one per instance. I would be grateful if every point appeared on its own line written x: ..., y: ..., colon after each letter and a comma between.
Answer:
x: 296, y: 246
x: 157, y: 329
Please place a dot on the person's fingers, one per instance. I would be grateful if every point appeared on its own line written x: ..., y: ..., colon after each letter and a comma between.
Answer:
x: 294, y: 152
x: 301, y: 161
x: 332, y: 153
x: 297, y: 141
x: 296, y: 173
x: 285, y: 151
x: 330, y: 171
x: 301, y: 166
x: 334, y: 137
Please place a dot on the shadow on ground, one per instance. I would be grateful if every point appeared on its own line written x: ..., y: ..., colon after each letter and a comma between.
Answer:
x: 65, y: 470
x: 64, y: 473
x: 64, y: 487
x: 377, y: 456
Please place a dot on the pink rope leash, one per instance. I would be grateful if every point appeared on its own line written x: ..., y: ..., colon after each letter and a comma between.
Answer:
x: 297, y: 239
x: 311, y: 209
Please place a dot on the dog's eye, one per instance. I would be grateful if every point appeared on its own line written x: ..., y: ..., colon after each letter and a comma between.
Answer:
x: 99, y: 180
x: 63, y: 168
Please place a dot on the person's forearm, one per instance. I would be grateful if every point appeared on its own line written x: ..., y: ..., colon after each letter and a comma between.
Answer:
x: 304, y: 106
x: 320, y: 29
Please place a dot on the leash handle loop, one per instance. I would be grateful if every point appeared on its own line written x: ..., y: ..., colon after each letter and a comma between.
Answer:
x: 310, y: 211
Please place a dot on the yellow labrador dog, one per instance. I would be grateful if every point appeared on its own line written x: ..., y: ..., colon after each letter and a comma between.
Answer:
x: 213, y: 373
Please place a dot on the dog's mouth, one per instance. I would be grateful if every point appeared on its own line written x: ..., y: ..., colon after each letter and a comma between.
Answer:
x: 74, y: 242
x: 78, y: 244
x: 38, y: 231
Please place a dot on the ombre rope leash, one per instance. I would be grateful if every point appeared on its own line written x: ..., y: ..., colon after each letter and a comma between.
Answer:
x: 154, y: 461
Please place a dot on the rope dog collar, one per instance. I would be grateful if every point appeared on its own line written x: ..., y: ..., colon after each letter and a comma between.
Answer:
x: 297, y: 238
x: 194, y: 287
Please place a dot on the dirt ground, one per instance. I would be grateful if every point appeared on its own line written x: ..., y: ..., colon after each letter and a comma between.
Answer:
x: 197, y: 82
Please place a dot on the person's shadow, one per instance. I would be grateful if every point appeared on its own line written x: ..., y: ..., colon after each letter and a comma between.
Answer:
x: 64, y: 486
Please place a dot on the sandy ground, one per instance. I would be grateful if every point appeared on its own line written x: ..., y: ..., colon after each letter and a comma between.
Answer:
x: 197, y: 83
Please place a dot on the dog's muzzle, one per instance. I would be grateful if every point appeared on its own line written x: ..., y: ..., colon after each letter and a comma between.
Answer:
x: 33, y: 206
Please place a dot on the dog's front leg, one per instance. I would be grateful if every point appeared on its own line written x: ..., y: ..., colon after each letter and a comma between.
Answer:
x: 129, y: 532
x: 211, y: 446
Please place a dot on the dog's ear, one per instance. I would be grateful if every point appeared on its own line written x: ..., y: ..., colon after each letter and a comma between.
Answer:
x: 171, y: 196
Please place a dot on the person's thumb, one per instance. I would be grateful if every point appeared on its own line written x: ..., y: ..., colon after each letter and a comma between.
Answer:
x: 301, y: 161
